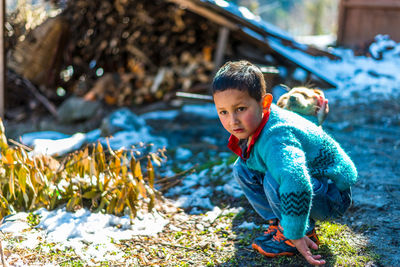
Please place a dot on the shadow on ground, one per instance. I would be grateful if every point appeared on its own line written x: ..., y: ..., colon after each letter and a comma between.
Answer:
x: 246, y: 256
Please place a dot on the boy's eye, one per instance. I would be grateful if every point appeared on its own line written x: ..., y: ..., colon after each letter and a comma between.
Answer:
x: 241, y: 109
x: 223, y: 112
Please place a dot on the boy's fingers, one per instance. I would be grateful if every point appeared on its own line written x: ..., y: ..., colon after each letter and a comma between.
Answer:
x: 311, y: 259
x: 314, y: 246
x: 317, y: 262
x: 303, y: 245
x: 311, y: 243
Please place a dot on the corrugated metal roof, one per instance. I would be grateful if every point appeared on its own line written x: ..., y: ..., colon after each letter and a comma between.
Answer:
x: 239, y: 18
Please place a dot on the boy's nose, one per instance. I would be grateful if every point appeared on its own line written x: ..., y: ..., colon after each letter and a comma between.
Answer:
x: 234, y: 120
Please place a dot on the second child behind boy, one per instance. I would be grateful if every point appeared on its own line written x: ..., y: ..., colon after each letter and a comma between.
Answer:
x: 290, y: 170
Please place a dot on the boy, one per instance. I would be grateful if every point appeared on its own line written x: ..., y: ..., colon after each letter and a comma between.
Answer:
x: 290, y: 170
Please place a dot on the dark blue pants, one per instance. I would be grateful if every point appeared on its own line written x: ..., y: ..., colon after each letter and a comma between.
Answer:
x: 262, y: 191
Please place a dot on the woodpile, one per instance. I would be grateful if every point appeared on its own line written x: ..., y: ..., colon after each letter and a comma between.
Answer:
x: 38, y: 57
x: 131, y: 51
x: 127, y: 52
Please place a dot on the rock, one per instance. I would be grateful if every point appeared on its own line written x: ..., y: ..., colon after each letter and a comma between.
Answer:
x: 121, y: 120
x: 77, y: 109
x: 49, y: 124
x: 15, y: 130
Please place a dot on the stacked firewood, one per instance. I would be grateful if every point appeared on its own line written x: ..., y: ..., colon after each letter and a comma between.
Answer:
x: 136, y: 51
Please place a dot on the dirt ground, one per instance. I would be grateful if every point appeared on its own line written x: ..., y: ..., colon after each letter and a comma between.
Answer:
x: 370, y: 134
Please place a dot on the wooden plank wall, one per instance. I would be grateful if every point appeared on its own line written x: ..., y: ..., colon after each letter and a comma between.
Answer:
x: 361, y: 20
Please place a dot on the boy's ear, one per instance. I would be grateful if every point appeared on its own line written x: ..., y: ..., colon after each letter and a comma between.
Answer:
x: 266, y: 101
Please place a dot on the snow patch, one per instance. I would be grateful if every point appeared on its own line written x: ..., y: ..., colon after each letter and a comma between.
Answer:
x: 91, y: 235
x: 248, y: 225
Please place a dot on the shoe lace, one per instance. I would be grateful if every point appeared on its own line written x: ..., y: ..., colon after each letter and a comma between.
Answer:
x: 279, y: 236
x: 271, y: 228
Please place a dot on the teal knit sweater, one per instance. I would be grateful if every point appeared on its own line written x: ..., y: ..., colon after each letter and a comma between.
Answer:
x: 293, y: 149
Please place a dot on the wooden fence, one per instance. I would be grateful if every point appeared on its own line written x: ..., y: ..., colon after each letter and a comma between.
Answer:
x: 361, y: 20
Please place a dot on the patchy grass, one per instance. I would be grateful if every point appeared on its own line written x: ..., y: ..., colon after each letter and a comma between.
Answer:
x: 33, y: 219
x: 343, y: 247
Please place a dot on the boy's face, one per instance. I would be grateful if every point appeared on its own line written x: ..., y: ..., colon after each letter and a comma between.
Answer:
x: 239, y: 113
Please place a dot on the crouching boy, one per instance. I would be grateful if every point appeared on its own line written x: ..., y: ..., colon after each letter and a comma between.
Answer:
x: 290, y: 170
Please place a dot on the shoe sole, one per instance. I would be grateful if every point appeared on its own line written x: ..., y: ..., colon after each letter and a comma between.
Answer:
x: 270, y: 255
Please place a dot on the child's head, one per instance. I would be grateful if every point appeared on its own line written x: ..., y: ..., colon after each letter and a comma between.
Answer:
x: 239, y: 96
x: 240, y: 75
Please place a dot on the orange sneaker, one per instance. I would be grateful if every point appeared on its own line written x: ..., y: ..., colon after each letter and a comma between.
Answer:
x: 279, y: 245
x: 270, y: 232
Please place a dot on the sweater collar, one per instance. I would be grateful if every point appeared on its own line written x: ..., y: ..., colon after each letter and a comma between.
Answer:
x: 233, y: 142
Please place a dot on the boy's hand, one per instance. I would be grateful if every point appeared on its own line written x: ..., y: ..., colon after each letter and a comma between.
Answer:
x: 303, y: 245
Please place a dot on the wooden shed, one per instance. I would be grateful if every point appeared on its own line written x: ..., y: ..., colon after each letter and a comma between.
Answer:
x: 361, y: 20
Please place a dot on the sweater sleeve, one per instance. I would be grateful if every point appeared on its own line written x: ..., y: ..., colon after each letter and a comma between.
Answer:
x: 342, y: 170
x: 286, y: 162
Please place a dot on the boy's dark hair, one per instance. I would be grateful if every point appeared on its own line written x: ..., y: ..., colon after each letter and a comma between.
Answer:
x: 241, y: 75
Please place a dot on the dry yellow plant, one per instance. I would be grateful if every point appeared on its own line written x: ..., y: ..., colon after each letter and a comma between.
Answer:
x: 103, y: 180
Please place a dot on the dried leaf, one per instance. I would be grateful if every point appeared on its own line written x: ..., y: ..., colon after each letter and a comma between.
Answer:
x: 150, y: 172
x: 107, y: 180
x: 23, y: 174
x: 32, y: 181
x: 100, y: 158
x: 111, y: 207
x: 92, y: 168
x: 142, y: 189
x: 132, y: 200
x: 85, y: 162
x: 39, y: 164
x: 24, y: 155
x: 152, y: 201
x: 103, y: 203
x: 156, y: 159
x: 73, y: 203
x: 90, y: 195
x: 26, y: 199
x: 109, y: 147
x: 4, y: 210
x: 53, y: 200
x: 138, y: 171
x: 9, y: 159
x: 132, y: 162
x: 124, y: 167
x: 3, y: 138
x: 28, y: 182
x: 119, y: 208
x: 11, y: 182
x: 39, y: 178
x: 116, y: 166
x: 80, y: 164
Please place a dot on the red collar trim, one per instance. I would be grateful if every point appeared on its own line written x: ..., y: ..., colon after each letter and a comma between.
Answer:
x: 233, y: 143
